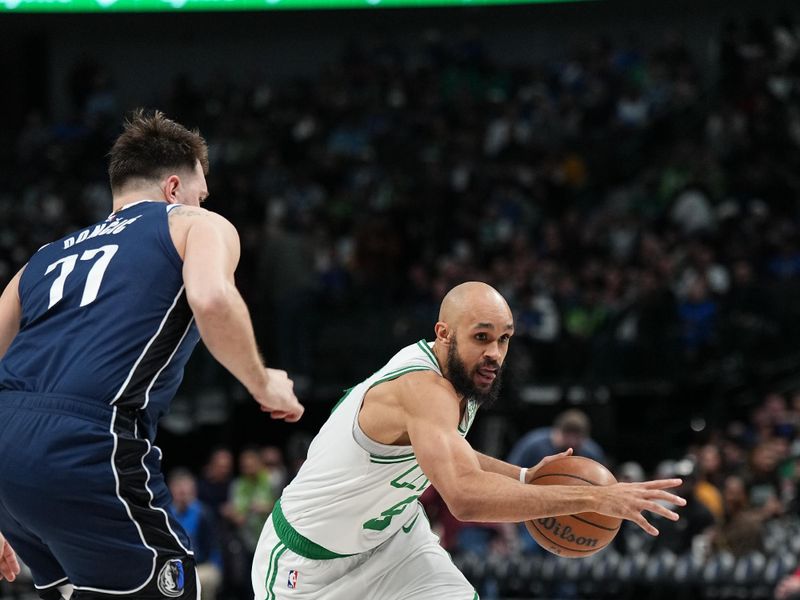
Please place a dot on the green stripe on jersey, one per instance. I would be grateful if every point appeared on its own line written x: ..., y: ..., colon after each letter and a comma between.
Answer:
x: 427, y: 350
x: 395, y: 374
x: 392, y: 459
x: 342, y: 399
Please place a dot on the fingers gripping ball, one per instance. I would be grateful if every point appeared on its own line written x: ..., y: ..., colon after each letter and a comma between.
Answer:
x: 583, y: 534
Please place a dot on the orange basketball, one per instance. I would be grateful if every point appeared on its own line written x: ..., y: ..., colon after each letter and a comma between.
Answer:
x: 574, y: 536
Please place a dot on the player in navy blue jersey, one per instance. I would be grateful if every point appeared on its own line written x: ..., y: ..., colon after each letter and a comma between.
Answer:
x: 95, y: 331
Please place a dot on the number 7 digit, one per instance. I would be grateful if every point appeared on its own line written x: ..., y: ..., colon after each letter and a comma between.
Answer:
x: 93, y: 280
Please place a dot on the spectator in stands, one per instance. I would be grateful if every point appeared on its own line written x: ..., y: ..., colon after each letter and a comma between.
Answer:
x: 740, y: 532
x: 198, y: 522
x: 732, y: 448
x: 213, y: 488
x: 762, y: 480
x: 571, y: 429
x: 698, y: 315
x: 251, y: 498
x: 708, y: 475
x: 272, y: 457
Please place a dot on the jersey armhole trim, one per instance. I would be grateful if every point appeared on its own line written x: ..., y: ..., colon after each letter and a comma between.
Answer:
x: 373, y: 448
x: 423, y: 345
x: 165, y: 235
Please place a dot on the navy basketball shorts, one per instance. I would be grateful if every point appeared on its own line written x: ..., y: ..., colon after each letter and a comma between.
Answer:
x: 83, y: 501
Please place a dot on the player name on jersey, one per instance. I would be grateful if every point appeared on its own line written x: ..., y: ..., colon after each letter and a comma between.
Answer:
x: 108, y: 228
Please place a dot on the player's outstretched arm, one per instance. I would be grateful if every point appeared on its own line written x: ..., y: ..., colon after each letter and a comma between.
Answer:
x: 473, y: 494
x: 10, y: 313
x: 210, y: 256
x: 9, y: 566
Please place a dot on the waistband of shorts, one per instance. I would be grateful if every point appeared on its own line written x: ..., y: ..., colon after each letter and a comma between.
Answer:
x: 298, y: 543
x: 75, y: 406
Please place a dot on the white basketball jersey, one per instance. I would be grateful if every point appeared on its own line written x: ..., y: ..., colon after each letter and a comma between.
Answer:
x: 353, y: 493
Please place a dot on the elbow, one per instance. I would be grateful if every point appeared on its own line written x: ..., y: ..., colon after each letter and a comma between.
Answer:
x: 463, y: 508
x: 208, y: 303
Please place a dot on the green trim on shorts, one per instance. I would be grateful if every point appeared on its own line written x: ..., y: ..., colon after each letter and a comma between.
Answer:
x: 272, y: 567
x: 296, y: 542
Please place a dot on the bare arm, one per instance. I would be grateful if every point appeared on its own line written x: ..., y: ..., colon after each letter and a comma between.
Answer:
x: 210, y: 256
x: 10, y: 313
x: 494, y: 465
x: 473, y: 494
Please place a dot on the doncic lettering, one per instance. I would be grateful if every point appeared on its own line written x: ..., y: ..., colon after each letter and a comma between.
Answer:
x: 111, y: 228
x: 565, y: 532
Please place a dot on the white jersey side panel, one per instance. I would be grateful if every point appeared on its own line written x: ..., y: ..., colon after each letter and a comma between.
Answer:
x: 353, y: 493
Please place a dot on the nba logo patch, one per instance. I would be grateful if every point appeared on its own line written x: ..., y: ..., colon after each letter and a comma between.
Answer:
x: 293, y: 579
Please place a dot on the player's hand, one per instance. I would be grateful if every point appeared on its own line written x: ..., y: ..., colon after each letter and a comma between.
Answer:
x: 546, y: 460
x: 629, y: 500
x: 278, y: 397
x: 9, y: 566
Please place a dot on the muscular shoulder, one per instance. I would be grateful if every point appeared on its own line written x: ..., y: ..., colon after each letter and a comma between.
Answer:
x: 427, y: 378
x: 188, y: 214
x: 391, y: 407
x: 183, y: 219
x: 429, y: 392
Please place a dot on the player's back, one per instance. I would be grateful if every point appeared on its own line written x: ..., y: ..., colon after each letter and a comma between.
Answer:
x: 105, y: 316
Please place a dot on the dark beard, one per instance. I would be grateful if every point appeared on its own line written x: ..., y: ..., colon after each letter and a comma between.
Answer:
x: 463, y: 383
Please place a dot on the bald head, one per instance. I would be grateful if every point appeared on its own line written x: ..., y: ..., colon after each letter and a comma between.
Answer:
x: 472, y: 337
x: 473, y: 298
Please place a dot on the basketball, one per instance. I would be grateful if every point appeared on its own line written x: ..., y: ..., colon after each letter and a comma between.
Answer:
x: 583, y: 534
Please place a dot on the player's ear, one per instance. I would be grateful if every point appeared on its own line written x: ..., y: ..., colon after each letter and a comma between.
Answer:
x: 442, y: 332
x: 171, y: 185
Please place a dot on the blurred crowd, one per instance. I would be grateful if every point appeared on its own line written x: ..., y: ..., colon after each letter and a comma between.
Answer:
x: 628, y: 195
x: 223, y: 509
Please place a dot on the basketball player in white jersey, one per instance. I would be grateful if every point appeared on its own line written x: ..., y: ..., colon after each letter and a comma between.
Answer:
x: 349, y: 525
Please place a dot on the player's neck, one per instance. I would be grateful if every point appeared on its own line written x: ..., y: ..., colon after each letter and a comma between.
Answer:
x: 441, y: 356
x: 132, y: 197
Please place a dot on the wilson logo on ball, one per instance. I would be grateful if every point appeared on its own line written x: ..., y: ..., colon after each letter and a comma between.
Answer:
x: 565, y: 533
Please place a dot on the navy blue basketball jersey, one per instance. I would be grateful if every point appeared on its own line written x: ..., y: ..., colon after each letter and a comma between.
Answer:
x: 105, y: 316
